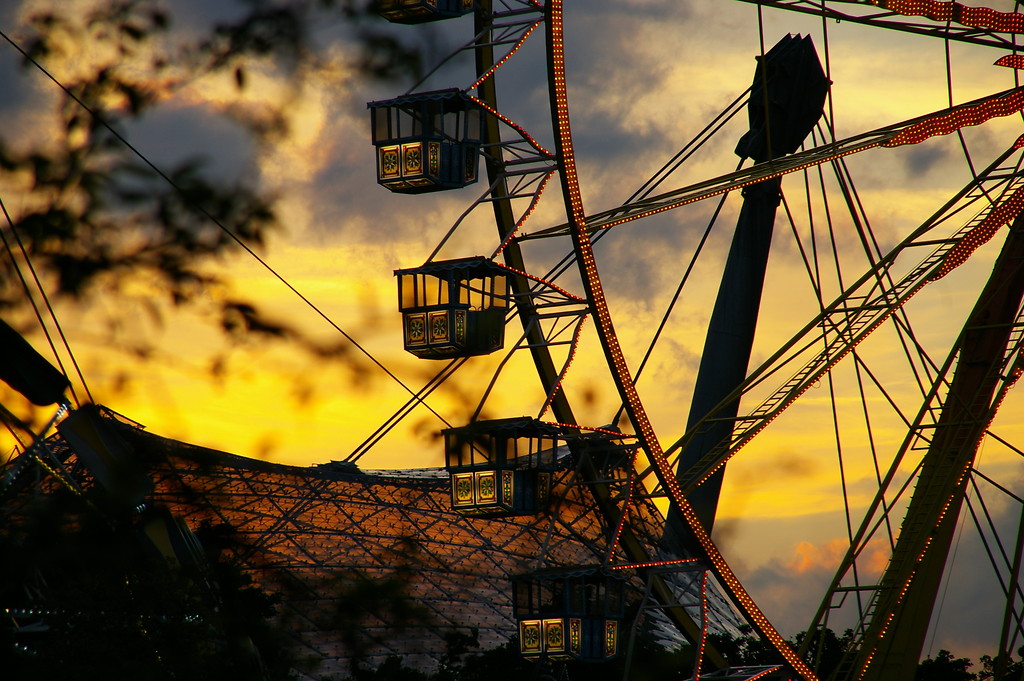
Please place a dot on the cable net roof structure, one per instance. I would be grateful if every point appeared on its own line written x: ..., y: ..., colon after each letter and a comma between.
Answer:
x: 314, y: 533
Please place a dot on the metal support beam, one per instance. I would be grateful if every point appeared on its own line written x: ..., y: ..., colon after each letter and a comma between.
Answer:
x: 902, y: 608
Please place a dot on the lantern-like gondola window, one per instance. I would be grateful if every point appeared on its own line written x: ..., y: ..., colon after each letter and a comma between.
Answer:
x: 427, y: 141
x: 419, y: 11
x: 571, y: 613
x: 453, y: 308
x: 501, y: 467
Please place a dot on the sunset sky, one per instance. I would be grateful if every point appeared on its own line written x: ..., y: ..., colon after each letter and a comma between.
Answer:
x: 644, y: 77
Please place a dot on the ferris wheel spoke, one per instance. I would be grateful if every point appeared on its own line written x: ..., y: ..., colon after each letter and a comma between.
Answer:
x: 852, y: 317
x: 912, y: 131
x: 900, y: 604
x: 949, y: 20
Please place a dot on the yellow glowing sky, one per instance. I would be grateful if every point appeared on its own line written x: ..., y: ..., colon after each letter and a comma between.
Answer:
x: 651, y: 70
x: 274, y: 403
x: 352, y: 281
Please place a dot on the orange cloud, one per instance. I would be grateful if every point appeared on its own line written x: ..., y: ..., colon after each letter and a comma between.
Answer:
x: 811, y: 557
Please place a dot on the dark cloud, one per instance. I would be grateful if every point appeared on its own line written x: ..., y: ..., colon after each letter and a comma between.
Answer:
x: 171, y: 135
x: 922, y: 159
x: 22, y: 87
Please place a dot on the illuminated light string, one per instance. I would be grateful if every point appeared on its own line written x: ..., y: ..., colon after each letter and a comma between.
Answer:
x: 656, y: 563
x: 1015, y: 373
x: 884, y: 629
x: 722, y: 569
x: 888, y: 623
x: 973, y: 17
x: 512, y: 124
x: 504, y: 59
x: 1013, y: 61
x: 60, y: 478
x: 766, y: 672
x: 545, y: 282
x: 625, y: 506
x: 951, y: 121
x: 622, y: 521
x: 589, y: 429
x: 613, y: 351
x: 699, y: 662
x: 982, y: 234
x: 529, y: 211
x: 565, y: 369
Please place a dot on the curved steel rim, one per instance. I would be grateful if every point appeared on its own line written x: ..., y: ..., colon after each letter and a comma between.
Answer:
x: 621, y: 375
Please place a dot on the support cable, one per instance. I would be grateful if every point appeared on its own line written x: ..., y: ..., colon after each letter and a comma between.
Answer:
x: 231, y: 235
x: 389, y: 424
x: 35, y: 307
x: 688, y: 149
x: 675, y: 296
x: 949, y: 92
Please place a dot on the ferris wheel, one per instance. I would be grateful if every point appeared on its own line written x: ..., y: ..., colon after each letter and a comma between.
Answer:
x: 904, y: 408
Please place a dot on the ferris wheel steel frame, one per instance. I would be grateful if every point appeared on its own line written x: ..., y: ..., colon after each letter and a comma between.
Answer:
x: 559, y: 404
x: 986, y: 28
x: 908, y: 588
x: 838, y: 329
x: 614, y: 355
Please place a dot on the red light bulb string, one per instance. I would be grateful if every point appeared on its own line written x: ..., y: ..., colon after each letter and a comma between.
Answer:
x: 654, y: 564
x: 625, y: 508
x: 544, y: 282
x: 959, y: 117
x: 703, y: 625
x: 591, y: 429
x: 504, y: 59
x: 616, y: 359
x: 1001, y: 215
x: 512, y: 124
x: 1013, y: 61
x: 529, y: 211
x: 973, y: 17
x: 565, y: 369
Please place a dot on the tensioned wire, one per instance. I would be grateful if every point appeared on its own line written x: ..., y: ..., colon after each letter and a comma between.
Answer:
x: 970, y: 165
x: 563, y: 265
x: 234, y: 237
x: 989, y: 524
x: 567, y: 261
x: 35, y: 307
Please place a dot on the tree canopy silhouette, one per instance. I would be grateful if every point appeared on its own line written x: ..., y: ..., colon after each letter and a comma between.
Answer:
x: 92, y: 215
x: 88, y: 220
